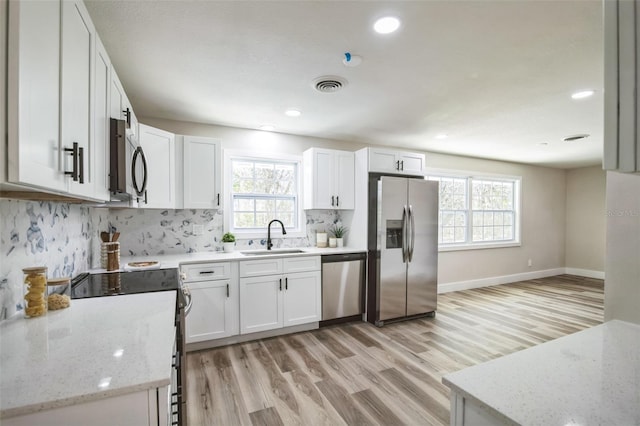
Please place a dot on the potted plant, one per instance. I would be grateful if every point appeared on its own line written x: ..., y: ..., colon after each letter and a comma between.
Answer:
x: 339, y: 232
x: 228, y: 241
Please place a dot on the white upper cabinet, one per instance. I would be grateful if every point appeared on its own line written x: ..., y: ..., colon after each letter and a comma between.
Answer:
x: 159, y: 150
x: 101, y: 116
x: 329, y: 179
x: 51, y: 95
x: 33, y: 95
x: 201, y: 168
x: 622, y: 74
x: 396, y: 162
x: 78, y: 41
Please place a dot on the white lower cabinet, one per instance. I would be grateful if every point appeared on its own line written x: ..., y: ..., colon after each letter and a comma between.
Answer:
x: 279, y: 297
x: 214, y: 292
x: 148, y: 407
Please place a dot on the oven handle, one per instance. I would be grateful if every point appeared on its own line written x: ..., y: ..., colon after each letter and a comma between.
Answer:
x: 188, y: 298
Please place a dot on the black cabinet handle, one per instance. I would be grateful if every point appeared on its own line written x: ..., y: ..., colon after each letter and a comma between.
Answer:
x: 286, y: 283
x: 337, y: 201
x: 207, y: 272
x: 218, y: 199
x: 398, y: 165
x: 81, y: 163
x: 402, y: 165
x: 332, y: 200
x: 227, y: 290
x: 280, y: 284
x: 74, y: 170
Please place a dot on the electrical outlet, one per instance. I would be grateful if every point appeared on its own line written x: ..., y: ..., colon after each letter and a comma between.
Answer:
x: 198, y: 229
x: 530, y: 263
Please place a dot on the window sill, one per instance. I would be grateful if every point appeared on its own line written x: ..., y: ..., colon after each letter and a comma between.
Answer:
x: 262, y: 235
x: 478, y: 246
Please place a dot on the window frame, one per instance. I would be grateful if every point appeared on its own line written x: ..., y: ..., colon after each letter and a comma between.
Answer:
x: 229, y: 156
x: 470, y: 177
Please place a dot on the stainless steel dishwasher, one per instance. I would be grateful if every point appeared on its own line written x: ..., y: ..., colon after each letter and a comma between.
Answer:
x: 343, y: 286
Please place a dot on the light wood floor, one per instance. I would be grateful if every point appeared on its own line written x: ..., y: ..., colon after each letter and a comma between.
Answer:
x: 358, y: 374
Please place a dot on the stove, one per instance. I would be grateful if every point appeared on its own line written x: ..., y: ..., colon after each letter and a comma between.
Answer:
x: 119, y: 283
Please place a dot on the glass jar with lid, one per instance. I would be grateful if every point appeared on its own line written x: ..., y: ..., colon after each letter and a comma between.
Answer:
x: 58, y: 293
x: 35, y: 291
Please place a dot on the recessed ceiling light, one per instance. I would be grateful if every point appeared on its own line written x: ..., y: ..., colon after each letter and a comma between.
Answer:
x: 292, y: 113
x: 583, y: 94
x: 543, y: 143
x: 441, y: 136
x: 386, y: 25
x: 267, y: 128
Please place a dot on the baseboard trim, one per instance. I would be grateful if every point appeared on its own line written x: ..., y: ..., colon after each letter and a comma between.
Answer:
x: 504, y: 279
x: 585, y: 273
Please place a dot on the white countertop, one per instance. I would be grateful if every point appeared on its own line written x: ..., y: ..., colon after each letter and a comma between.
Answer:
x: 70, y: 356
x: 588, y: 378
x: 174, y: 260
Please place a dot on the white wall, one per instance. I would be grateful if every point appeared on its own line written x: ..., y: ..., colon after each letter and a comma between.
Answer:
x: 543, y: 205
x: 586, y: 221
x: 622, y: 283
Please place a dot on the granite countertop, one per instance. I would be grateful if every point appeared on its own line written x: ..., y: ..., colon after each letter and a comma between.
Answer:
x: 167, y: 261
x: 96, y: 348
x: 587, y: 378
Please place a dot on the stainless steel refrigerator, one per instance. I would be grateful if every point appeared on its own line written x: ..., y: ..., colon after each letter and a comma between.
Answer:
x: 403, y: 239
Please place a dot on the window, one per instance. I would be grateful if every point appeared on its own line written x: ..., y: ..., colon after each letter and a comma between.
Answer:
x: 477, y: 211
x: 262, y: 189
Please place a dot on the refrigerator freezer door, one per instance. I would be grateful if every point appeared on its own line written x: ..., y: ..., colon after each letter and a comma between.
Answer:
x: 392, y: 271
x: 422, y: 270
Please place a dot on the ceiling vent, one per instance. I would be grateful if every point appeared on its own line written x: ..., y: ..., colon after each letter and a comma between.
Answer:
x: 575, y: 137
x: 329, y: 83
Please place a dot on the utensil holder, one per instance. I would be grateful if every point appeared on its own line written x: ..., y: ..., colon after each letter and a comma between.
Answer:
x: 110, y: 256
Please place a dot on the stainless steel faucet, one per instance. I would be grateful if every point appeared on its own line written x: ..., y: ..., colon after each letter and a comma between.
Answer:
x: 284, y: 232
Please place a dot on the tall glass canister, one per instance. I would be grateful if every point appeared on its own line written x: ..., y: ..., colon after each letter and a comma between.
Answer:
x: 35, y: 291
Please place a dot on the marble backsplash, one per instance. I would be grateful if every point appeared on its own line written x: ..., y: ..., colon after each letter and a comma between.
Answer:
x: 146, y: 232
x: 65, y: 238
x: 41, y: 233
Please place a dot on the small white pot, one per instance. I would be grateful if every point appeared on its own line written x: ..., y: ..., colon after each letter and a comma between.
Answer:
x: 340, y: 242
x: 228, y: 247
x: 333, y: 242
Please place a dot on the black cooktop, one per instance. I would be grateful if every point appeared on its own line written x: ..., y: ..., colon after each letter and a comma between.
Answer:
x: 117, y: 283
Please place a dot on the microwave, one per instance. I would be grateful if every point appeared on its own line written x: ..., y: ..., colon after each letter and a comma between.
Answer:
x: 127, y: 165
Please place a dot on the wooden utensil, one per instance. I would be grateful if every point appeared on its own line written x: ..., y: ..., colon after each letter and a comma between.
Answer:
x: 104, y: 236
x: 115, y: 237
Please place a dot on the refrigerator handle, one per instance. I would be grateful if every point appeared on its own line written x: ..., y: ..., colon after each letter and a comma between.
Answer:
x: 412, y: 226
x: 404, y: 235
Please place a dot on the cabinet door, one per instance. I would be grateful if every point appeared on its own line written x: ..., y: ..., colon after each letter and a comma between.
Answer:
x: 101, y: 115
x: 117, y: 97
x: 345, y: 180
x: 261, y: 303
x: 33, y: 94
x: 159, y: 149
x: 382, y: 161
x: 411, y: 164
x: 76, y: 109
x: 323, y: 180
x: 302, y: 298
x: 201, y: 173
x: 214, y: 313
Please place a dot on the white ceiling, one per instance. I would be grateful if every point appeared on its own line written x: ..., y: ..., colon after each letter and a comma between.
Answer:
x: 494, y: 75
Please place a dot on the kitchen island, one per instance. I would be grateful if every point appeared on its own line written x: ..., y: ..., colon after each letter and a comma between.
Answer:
x: 588, y: 378
x: 98, y: 354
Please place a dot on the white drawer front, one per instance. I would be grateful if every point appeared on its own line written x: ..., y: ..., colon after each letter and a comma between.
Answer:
x: 254, y: 268
x: 207, y: 271
x: 301, y: 264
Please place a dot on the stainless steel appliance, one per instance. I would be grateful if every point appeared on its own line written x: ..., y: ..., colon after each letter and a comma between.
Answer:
x: 123, y: 283
x: 342, y: 286
x: 402, y: 248
x: 127, y: 165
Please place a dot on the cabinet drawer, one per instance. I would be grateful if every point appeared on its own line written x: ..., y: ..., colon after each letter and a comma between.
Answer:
x: 254, y: 268
x: 207, y: 271
x: 301, y: 264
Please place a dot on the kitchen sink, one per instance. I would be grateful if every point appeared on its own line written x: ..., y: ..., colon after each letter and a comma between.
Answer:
x: 271, y: 252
